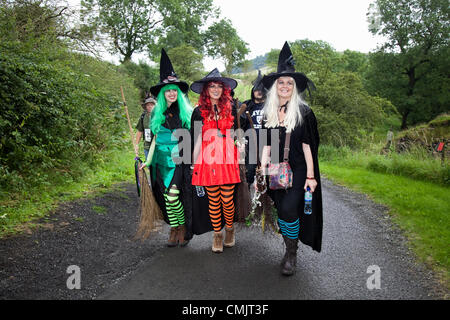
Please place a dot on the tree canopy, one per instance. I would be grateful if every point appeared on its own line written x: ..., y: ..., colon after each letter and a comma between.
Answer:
x: 222, y: 41
x: 409, y: 68
x: 146, y: 25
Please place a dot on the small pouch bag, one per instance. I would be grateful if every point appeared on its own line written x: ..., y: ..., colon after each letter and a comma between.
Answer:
x: 280, y: 174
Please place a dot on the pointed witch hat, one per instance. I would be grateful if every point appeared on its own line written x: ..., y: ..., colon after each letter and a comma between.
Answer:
x: 286, y: 69
x: 258, y: 85
x: 214, y: 75
x: 167, y: 76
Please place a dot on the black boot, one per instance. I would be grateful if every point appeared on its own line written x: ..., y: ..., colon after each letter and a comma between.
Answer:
x: 289, y: 262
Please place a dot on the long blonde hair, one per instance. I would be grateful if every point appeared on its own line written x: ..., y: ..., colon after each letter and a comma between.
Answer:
x: 293, y: 116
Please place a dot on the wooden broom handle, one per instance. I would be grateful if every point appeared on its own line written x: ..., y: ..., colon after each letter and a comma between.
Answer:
x: 129, y: 121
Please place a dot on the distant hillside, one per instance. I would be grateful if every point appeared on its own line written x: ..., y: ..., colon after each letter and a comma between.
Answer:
x: 257, y: 63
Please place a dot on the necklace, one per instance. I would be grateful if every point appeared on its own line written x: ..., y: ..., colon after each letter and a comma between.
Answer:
x: 280, y: 110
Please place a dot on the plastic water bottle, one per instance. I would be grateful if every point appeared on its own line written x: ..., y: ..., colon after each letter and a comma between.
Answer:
x: 308, y: 201
x: 200, y: 191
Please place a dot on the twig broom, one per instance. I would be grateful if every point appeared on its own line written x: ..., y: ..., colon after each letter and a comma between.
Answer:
x: 150, y: 213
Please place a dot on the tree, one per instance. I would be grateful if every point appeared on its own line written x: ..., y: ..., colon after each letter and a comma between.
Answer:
x: 222, y: 41
x: 144, y: 75
x: 416, y: 31
x: 42, y: 21
x: 272, y: 58
x: 187, y: 62
x: 315, y: 58
x: 136, y: 25
x: 355, y: 61
x: 183, y: 26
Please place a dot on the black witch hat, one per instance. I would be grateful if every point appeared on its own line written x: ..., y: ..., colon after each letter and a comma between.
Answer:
x: 258, y: 86
x: 257, y: 83
x: 167, y: 76
x: 197, y: 86
x: 286, y: 69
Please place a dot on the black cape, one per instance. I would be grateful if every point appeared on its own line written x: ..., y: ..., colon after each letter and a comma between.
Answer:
x: 310, y: 231
x: 312, y: 224
x: 201, y: 222
x: 182, y: 175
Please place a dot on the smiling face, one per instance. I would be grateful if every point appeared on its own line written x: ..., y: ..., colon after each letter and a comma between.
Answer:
x: 171, y: 96
x: 215, y: 90
x: 285, y: 87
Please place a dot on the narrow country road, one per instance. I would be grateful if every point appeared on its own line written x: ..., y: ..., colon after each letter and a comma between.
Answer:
x: 358, y: 238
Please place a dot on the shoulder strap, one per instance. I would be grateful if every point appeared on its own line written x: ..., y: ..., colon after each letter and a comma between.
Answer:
x: 286, y: 147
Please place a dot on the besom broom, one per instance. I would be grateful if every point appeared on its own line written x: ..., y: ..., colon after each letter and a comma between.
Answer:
x: 150, y: 213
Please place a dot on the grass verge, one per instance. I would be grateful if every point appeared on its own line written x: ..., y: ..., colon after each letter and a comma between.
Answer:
x: 419, y: 208
x: 18, y: 212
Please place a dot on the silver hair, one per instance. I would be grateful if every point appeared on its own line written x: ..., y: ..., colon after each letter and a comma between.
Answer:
x: 293, y: 116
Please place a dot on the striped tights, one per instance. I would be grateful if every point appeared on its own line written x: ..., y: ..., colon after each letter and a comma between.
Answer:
x: 174, y: 207
x: 221, y: 197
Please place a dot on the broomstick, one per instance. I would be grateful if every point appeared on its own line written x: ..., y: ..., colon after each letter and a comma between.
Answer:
x: 262, y: 204
x: 243, y: 193
x: 149, y: 210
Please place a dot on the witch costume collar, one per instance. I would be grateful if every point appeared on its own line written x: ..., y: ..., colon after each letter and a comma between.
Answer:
x: 214, y: 75
x: 286, y: 69
x: 167, y: 76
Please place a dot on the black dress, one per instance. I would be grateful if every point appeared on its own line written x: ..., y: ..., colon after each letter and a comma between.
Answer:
x: 290, y: 203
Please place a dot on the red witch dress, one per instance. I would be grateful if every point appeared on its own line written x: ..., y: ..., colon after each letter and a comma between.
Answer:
x: 218, y: 157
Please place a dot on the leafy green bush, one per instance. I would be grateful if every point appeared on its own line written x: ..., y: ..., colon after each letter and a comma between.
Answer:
x: 345, y: 112
x: 56, y: 115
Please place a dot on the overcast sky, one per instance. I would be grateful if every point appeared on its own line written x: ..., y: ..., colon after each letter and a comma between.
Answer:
x: 266, y: 24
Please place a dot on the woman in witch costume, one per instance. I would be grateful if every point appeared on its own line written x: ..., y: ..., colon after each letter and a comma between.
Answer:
x: 169, y: 180
x: 215, y: 157
x: 287, y: 116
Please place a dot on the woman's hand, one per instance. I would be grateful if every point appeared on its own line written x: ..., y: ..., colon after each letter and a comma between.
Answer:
x: 265, y: 159
x: 240, y: 146
x: 141, y: 166
x: 311, y: 183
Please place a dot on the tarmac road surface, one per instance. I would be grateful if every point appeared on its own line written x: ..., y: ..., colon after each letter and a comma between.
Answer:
x: 363, y: 256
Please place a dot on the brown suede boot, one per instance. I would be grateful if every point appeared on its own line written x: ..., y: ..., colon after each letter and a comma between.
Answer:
x: 180, y: 236
x: 217, y: 245
x: 290, y: 260
x: 172, y: 242
x: 229, y: 237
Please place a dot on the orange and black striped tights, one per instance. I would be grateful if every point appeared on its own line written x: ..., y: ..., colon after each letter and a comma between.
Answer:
x: 221, y: 197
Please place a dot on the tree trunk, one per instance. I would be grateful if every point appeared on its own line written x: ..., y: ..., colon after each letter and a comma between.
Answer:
x: 411, y: 72
x: 126, y: 58
x: 404, y: 119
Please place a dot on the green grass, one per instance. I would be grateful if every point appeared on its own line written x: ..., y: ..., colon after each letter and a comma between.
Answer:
x: 419, y: 208
x: 99, y: 209
x: 417, y: 164
x: 18, y: 211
